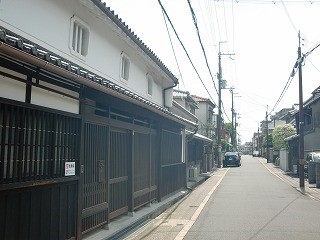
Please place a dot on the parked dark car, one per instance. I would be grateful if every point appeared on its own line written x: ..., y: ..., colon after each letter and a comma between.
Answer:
x: 231, y: 159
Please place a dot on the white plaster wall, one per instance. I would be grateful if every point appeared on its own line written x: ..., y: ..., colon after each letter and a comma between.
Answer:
x: 12, y: 89
x: 202, y: 112
x: 47, y: 23
x: 284, y: 160
x: 53, y: 100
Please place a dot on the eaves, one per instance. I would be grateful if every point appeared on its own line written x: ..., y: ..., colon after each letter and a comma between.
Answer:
x: 24, y: 50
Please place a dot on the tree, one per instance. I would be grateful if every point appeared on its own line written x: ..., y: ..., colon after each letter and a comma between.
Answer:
x: 280, y: 133
x: 228, y: 126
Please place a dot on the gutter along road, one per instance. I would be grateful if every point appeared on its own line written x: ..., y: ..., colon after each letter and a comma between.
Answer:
x: 254, y: 201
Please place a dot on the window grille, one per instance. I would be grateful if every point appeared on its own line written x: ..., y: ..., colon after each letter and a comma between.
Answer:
x: 79, y: 37
x: 125, y: 67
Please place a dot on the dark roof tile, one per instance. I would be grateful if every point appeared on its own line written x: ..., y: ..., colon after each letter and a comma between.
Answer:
x: 32, y: 48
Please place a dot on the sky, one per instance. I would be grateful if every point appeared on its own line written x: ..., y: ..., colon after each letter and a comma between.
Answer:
x: 261, y: 37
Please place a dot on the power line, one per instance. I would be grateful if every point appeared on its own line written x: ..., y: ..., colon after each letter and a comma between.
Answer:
x: 165, y: 12
x: 285, y: 9
x: 174, y: 53
x: 270, y: 1
x: 294, y: 71
x: 284, y: 90
x: 194, y: 18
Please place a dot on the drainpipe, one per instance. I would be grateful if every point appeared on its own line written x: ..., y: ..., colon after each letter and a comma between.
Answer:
x: 164, y: 92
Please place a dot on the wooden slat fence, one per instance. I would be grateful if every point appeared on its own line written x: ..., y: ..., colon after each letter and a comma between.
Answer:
x: 173, y: 169
x: 95, y: 191
x: 118, y: 183
x: 144, y: 169
x: 35, y: 144
x: 37, y: 200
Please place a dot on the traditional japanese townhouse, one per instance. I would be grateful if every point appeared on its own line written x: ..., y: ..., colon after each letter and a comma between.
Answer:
x: 86, y: 133
x: 207, y: 124
x: 199, y: 154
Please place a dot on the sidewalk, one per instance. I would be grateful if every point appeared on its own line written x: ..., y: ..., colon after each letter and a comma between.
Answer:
x: 293, y: 180
x: 122, y: 225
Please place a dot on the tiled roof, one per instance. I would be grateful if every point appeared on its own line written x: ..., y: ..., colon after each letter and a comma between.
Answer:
x: 180, y: 93
x: 33, y: 49
x: 202, y: 99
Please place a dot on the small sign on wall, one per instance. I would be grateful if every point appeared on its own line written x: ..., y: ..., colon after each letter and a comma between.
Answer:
x: 69, y: 169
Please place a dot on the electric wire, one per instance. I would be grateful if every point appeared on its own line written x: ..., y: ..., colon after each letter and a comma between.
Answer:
x: 194, y: 18
x: 288, y: 15
x: 315, y: 67
x: 311, y: 50
x: 271, y: 1
x: 294, y: 71
x: 165, y: 12
x: 174, y: 53
x: 288, y: 83
x: 215, y: 8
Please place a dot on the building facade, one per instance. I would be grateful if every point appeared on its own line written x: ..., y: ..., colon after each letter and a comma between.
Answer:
x: 85, y: 127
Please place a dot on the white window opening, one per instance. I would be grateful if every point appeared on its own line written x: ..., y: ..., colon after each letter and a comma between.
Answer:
x: 125, y: 67
x: 79, y: 37
x: 150, y: 84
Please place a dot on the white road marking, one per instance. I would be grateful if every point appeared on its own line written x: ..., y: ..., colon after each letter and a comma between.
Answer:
x: 194, y: 217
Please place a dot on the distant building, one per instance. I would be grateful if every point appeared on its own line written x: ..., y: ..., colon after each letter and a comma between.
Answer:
x: 207, y: 120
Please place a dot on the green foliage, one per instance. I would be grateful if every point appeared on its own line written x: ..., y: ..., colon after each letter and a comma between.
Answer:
x: 280, y: 133
x: 224, y: 145
x: 270, y: 140
x: 228, y: 127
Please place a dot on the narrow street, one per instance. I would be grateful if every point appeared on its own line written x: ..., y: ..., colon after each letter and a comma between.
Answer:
x: 239, y: 203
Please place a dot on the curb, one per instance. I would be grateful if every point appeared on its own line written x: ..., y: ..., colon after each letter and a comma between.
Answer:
x: 289, y: 179
x: 135, y: 225
x: 121, y: 233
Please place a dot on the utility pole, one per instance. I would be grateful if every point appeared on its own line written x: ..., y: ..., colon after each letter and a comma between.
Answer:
x: 219, y: 120
x: 258, y: 149
x: 235, y: 130
x: 268, y: 160
x: 232, y: 122
x: 301, y: 120
x: 219, y: 109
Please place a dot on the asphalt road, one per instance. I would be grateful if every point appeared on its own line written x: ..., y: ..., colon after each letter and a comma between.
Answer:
x: 248, y: 202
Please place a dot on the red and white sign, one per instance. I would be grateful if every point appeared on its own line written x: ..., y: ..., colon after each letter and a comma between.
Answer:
x: 70, y: 169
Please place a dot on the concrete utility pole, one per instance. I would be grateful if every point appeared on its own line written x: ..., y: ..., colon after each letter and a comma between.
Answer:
x: 232, y: 122
x: 267, y: 140
x: 235, y: 130
x: 219, y: 120
x: 301, y: 120
x: 258, y: 148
